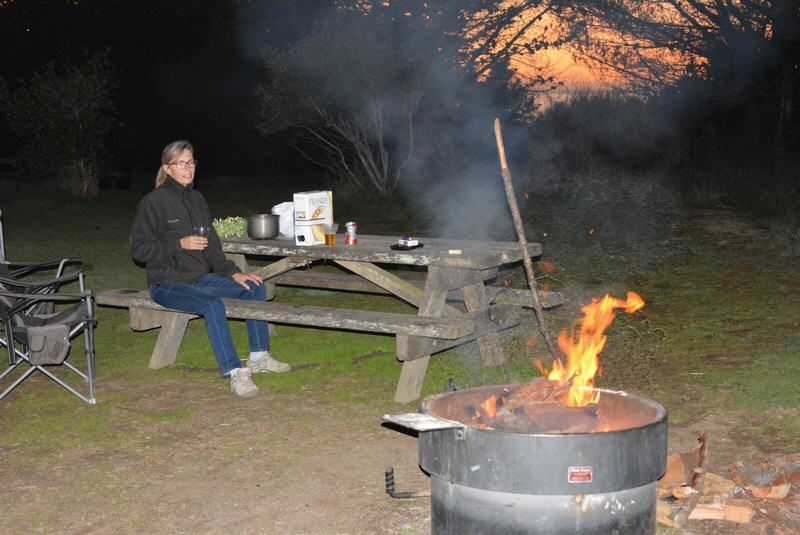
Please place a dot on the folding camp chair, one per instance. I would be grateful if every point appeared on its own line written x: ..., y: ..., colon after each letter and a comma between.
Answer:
x: 34, y: 335
x: 37, y: 332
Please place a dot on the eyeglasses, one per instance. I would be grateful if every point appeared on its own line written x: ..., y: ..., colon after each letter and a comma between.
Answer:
x: 181, y: 165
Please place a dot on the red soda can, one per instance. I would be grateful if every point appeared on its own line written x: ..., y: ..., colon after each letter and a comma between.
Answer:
x: 350, y: 233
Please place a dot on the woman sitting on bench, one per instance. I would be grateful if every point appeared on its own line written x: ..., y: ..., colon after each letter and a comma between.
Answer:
x: 187, y: 270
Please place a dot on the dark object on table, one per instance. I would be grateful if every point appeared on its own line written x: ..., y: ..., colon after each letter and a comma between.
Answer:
x: 398, y: 247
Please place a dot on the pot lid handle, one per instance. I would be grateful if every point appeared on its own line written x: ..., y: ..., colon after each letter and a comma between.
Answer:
x: 420, y: 422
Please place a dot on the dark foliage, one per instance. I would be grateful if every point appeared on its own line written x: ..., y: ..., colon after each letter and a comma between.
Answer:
x: 63, y: 114
x: 726, y: 76
x: 185, y: 69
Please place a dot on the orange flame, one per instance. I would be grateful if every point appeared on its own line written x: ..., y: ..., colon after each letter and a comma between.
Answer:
x: 489, y: 406
x: 582, y: 350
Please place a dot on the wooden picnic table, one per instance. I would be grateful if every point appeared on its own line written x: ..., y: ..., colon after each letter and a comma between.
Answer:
x: 456, y: 269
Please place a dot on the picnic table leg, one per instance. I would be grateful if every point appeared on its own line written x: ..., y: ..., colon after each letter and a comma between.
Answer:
x: 241, y: 263
x: 144, y: 319
x: 476, y: 301
x: 432, y: 304
x: 276, y: 268
x: 380, y: 277
x: 239, y: 260
x: 412, y: 376
x: 392, y: 283
x: 169, y: 339
x: 273, y: 270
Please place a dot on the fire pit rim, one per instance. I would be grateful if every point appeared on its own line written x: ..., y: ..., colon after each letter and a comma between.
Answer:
x: 660, y: 416
x: 501, y: 461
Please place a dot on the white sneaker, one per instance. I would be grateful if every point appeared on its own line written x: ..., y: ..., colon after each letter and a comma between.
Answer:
x: 268, y: 364
x: 242, y: 383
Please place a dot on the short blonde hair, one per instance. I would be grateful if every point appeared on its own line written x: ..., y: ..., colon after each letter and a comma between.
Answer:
x: 171, y: 151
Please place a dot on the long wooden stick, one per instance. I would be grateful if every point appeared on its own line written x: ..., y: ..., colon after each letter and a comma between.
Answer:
x: 523, y: 241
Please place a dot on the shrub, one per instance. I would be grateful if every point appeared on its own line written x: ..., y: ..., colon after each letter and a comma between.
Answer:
x: 62, y: 114
x: 784, y: 235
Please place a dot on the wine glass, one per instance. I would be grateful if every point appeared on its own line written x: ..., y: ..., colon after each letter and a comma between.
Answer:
x: 202, y: 230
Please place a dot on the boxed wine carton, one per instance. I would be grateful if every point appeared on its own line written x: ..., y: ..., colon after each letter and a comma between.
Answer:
x: 312, y: 210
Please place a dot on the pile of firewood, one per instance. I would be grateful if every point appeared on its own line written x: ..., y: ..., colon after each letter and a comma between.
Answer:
x: 766, y: 494
x: 536, y: 407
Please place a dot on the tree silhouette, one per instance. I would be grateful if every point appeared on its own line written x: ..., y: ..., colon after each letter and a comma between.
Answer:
x: 379, y: 89
x: 745, y: 53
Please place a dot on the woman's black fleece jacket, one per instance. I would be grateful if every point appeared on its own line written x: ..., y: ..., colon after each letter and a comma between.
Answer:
x: 164, y: 216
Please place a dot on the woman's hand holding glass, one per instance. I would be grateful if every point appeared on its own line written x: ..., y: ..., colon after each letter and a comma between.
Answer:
x: 198, y: 240
x: 194, y: 243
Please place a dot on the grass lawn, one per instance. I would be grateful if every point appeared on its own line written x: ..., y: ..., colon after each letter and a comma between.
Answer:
x: 717, y: 342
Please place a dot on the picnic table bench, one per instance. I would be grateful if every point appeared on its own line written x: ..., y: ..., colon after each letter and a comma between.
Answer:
x: 455, y: 270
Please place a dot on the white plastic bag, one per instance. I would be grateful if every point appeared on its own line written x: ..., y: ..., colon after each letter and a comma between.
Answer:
x: 285, y: 211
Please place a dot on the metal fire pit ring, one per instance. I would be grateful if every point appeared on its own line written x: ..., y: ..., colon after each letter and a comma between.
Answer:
x: 494, y: 481
x: 542, y: 463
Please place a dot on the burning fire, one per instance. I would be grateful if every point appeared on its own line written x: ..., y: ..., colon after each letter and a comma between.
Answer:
x: 489, y: 406
x: 582, y: 345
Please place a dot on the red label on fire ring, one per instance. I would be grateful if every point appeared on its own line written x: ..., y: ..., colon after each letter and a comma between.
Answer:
x: 579, y: 474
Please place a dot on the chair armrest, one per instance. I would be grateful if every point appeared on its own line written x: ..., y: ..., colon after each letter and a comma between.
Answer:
x: 48, y: 297
x: 38, y: 286
x: 22, y: 269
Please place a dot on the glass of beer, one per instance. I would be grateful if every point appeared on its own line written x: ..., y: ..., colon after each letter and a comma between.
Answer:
x: 330, y: 233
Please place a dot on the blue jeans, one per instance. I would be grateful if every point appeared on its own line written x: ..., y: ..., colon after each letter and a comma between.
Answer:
x: 204, y: 297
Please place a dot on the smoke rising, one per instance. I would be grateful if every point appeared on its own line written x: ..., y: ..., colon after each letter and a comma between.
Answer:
x: 592, y: 165
x: 404, y: 60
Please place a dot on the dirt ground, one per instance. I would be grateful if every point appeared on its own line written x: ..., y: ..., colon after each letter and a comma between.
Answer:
x: 281, y: 463
x: 272, y: 464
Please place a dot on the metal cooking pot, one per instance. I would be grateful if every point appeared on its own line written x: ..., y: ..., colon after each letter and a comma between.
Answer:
x: 263, y: 226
